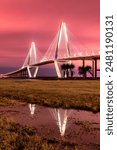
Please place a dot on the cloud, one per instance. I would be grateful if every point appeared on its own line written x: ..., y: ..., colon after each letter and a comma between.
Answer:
x: 23, y: 21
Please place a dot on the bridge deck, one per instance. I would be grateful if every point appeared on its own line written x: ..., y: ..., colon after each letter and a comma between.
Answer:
x: 70, y: 58
x: 96, y: 57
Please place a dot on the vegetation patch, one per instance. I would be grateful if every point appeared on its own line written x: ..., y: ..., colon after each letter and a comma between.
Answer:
x: 87, y: 126
x: 16, y: 137
x: 4, y: 101
x: 77, y: 94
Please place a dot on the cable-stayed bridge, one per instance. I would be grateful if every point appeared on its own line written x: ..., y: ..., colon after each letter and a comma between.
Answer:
x: 61, y: 50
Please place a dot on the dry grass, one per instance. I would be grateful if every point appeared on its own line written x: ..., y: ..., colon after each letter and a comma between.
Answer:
x: 78, y: 94
x: 16, y: 137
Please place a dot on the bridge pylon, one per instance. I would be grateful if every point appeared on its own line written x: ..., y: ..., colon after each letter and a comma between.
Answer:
x: 59, y: 49
x: 31, y: 59
x: 62, y: 39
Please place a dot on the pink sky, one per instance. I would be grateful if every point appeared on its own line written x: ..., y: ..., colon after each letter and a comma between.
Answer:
x: 23, y: 21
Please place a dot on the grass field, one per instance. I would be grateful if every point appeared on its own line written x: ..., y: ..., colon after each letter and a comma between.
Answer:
x: 78, y: 94
x: 16, y: 137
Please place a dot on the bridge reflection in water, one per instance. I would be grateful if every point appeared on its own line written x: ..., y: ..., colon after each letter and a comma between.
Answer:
x: 81, y: 127
x: 59, y: 115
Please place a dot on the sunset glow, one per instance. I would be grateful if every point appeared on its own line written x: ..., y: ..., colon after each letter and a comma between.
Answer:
x: 24, y: 21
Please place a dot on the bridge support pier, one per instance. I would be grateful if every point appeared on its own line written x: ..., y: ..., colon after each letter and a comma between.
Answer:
x: 57, y: 69
x: 83, y: 64
x: 36, y: 71
x: 29, y: 72
x: 94, y: 68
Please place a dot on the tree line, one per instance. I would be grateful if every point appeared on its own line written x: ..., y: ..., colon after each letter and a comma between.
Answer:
x: 68, y: 70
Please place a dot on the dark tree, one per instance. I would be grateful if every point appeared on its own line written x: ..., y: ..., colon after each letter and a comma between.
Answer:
x: 71, y: 67
x: 67, y: 69
x: 63, y: 68
x: 83, y: 70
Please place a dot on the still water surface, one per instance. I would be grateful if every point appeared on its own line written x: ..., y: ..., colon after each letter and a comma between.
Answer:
x: 81, y: 127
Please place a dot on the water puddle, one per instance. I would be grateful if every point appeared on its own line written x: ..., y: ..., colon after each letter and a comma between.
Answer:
x: 81, y: 127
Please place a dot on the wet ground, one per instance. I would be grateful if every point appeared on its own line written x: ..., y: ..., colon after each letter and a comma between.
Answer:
x: 80, y: 127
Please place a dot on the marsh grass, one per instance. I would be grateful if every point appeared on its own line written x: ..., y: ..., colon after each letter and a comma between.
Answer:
x: 87, y: 126
x: 16, y: 137
x: 77, y: 94
x: 4, y: 101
